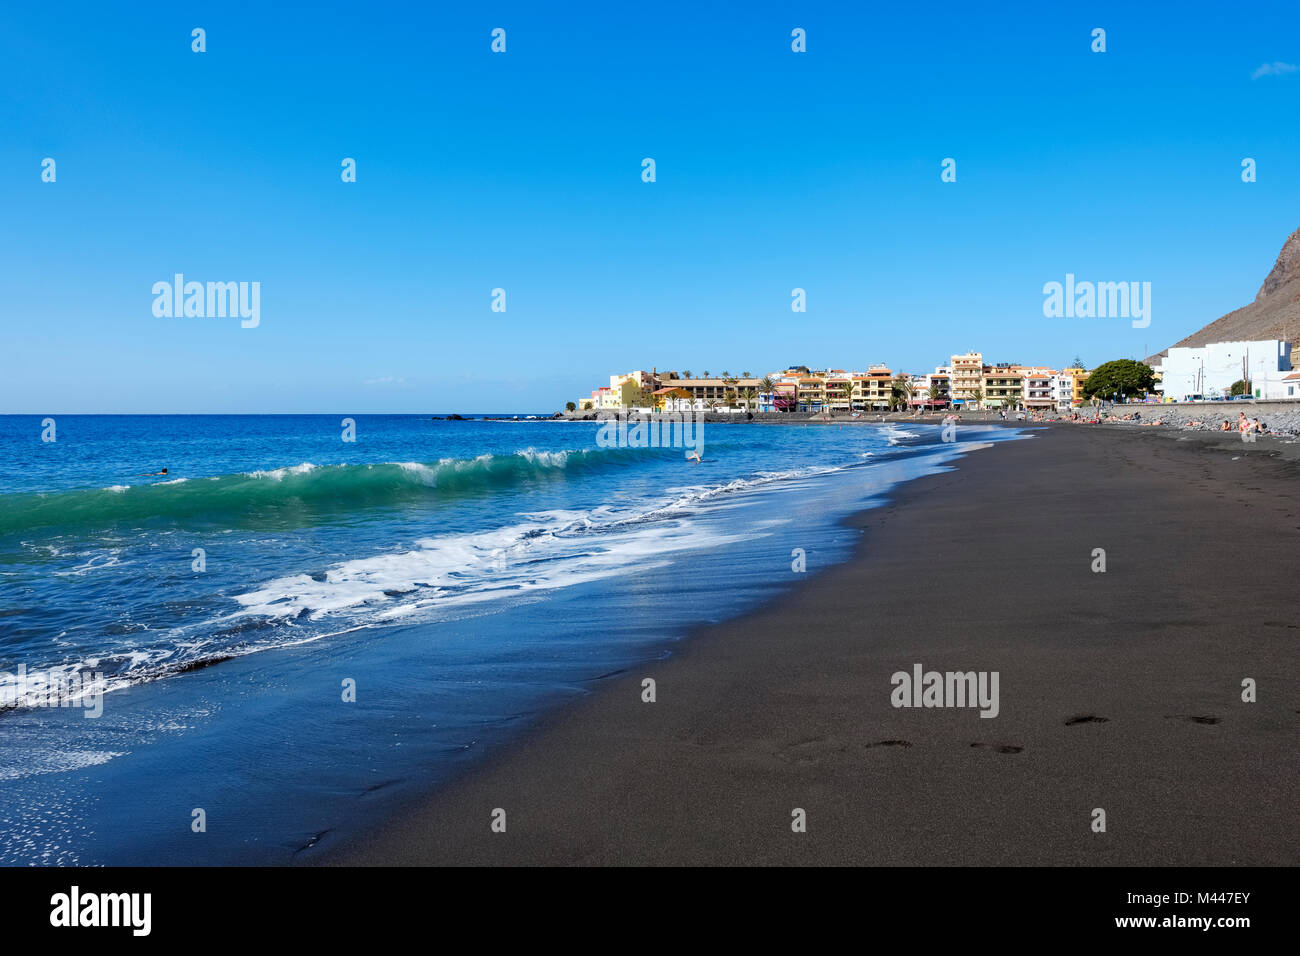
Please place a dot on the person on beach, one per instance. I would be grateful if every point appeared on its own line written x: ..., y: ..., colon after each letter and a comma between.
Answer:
x: 1226, y: 426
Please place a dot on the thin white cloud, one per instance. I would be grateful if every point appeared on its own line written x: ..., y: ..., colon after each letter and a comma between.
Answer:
x: 1276, y: 68
x: 386, y: 380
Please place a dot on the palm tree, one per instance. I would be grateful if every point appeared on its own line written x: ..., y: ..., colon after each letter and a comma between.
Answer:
x: 977, y: 396
x: 900, y: 393
x: 726, y: 374
x: 766, y: 385
x: 935, y: 391
x: 686, y: 373
x: 706, y: 373
x: 744, y: 375
x: 750, y: 396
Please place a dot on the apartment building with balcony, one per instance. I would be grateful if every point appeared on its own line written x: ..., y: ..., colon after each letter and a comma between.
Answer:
x: 1039, y: 394
x: 1003, y: 386
x: 966, y: 377
x: 1063, y: 391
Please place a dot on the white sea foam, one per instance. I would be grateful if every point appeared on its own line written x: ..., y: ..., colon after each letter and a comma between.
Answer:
x: 57, y: 761
x: 548, y: 550
x: 554, y: 459
x: 97, y: 562
x: 278, y: 474
x: 894, y: 434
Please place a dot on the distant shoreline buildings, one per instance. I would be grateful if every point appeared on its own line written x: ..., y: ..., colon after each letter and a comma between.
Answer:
x: 1258, y: 369
x: 966, y: 381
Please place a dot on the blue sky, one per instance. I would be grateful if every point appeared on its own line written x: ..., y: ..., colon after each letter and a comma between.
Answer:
x: 523, y: 171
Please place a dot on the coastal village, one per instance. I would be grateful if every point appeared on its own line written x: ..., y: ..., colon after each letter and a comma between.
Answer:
x: 1253, y: 369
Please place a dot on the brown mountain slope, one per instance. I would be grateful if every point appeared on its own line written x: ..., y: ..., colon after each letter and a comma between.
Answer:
x: 1275, y: 313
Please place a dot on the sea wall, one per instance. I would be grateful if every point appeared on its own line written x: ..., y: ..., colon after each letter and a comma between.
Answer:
x: 1281, y: 417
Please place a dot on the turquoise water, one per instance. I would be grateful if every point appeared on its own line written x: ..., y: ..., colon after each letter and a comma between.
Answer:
x: 462, y: 576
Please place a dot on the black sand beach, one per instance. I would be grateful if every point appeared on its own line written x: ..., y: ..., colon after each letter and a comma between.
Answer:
x: 1119, y: 690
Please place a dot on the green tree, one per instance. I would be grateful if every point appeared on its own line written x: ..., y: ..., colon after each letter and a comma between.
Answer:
x: 900, y: 393
x: 977, y: 396
x: 706, y: 373
x: 1123, y: 377
x: 751, y: 398
x: 1238, y: 387
x: 686, y: 373
x: 570, y: 407
x: 935, y: 391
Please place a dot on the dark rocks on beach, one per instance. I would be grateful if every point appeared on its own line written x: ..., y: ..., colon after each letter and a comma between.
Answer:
x: 192, y: 666
x: 1000, y: 748
x: 1086, y: 719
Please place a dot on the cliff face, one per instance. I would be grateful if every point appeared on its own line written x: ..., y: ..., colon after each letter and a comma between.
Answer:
x: 1286, y: 269
x: 1275, y: 313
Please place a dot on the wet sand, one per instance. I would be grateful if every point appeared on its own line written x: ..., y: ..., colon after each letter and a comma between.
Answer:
x: 1119, y: 690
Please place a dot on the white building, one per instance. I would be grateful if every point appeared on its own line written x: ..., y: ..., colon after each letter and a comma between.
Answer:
x: 1037, y: 392
x: 1063, y: 391
x: 1210, y: 370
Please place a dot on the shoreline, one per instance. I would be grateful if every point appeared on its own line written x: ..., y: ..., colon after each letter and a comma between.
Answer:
x: 1119, y: 690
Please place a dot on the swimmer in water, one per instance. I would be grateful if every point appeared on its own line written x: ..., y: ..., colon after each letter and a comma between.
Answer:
x: 153, y: 474
x: 694, y: 456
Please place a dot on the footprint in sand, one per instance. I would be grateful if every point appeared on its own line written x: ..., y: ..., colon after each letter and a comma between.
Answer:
x: 1196, y: 719
x: 890, y: 743
x: 1086, y: 719
x: 1001, y: 748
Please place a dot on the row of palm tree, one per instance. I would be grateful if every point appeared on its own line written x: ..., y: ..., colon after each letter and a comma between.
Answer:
x: 901, y: 391
x: 687, y: 373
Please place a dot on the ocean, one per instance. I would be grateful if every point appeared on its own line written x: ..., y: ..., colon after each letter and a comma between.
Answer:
x: 289, y: 634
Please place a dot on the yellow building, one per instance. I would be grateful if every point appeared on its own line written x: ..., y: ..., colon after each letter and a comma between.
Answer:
x: 1080, y: 376
x: 878, y: 387
x: 966, y: 376
x: 621, y: 394
x: 672, y: 399
x: 1003, y: 386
